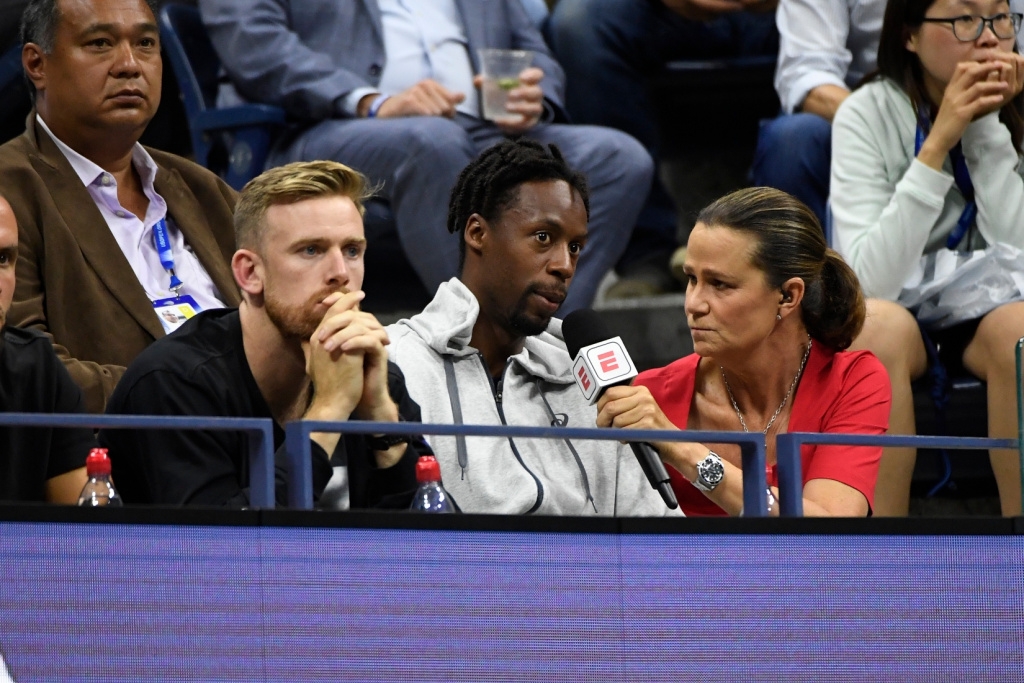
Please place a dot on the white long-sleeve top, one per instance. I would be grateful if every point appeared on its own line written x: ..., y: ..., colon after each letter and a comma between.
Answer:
x: 889, y: 209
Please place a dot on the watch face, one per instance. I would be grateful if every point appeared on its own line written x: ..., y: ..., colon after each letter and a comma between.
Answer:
x: 711, y: 470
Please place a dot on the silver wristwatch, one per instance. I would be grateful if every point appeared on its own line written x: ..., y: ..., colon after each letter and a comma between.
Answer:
x: 710, y: 472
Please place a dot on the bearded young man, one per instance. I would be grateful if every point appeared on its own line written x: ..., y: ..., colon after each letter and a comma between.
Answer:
x: 298, y: 347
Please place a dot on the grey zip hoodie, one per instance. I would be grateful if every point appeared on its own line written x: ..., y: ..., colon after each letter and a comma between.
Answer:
x: 520, y: 476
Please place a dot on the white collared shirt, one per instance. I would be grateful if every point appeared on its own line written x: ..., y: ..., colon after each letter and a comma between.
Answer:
x: 824, y: 42
x: 134, y: 236
x: 423, y: 40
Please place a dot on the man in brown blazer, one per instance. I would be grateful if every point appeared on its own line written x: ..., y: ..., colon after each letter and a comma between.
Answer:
x: 90, y: 200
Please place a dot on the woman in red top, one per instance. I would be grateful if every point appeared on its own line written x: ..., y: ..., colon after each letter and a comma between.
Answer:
x: 770, y: 308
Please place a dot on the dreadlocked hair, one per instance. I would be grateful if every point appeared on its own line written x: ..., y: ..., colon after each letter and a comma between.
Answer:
x: 490, y: 183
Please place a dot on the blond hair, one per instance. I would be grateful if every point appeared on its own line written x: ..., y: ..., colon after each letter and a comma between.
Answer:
x: 292, y: 183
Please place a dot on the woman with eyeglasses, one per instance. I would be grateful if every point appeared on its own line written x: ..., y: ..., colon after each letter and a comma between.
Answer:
x: 926, y: 156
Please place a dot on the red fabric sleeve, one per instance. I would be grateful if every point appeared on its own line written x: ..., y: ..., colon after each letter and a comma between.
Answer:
x: 851, y: 395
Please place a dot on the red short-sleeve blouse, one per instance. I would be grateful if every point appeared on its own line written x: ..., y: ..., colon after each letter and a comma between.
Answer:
x: 840, y: 392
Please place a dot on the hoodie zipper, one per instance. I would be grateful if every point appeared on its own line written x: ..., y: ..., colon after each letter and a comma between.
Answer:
x: 496, y: 390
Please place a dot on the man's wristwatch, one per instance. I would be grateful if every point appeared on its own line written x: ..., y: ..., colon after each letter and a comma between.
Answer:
x: 384, y: 442
x: 710, y: 472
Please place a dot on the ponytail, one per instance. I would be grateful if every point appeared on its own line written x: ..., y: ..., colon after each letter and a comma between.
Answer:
x: 833, y: 305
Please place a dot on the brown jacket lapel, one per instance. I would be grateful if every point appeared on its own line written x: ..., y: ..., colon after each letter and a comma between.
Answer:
x: 90, y: 230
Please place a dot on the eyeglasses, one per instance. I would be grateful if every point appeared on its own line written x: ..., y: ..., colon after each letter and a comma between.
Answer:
x: 969, y: 27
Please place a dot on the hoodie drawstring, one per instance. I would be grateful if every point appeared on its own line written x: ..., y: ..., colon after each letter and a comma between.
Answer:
x: 460, y: 441
x: 555, y: 421
x: 453, y: 396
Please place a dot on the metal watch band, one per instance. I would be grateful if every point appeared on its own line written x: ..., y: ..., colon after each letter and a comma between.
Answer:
x: 710, y: 472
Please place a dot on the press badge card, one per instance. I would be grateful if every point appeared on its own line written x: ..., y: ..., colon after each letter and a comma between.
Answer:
x: 175, y: 311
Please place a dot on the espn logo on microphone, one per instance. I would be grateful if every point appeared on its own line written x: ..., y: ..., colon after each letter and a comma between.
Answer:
x: 601, y: 365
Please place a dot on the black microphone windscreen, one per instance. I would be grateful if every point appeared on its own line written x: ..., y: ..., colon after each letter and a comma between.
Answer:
x: 583, y: 327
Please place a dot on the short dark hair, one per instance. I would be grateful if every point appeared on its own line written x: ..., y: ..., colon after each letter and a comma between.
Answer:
x: 39, y: 25
x: 790, y: 243
x: 490, y: 183
x: 903, y: 67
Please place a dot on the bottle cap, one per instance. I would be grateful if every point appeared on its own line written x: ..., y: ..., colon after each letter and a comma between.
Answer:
x: 97, y: 463
x: 428, y: 469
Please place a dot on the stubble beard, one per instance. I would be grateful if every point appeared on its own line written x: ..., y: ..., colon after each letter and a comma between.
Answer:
x: 523, y: 323
x: 296, y: 322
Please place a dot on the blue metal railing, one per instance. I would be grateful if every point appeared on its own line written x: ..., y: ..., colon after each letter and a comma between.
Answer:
x: 300, y: 475
x: 788, y: 447
x: 755, y: 498
x: 260, y: 431
x: 1020, y: 410
x: 297, y: 443
x: 788, y: 455
x: 298, y: 447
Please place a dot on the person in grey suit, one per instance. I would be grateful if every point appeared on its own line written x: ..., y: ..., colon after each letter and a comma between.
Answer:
x: 388, y: 87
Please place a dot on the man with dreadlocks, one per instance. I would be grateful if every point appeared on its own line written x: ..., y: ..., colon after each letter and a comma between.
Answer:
x: 487, y: 349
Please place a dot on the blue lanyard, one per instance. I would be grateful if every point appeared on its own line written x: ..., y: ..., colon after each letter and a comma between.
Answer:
x: 961, y: 176
x: 162, y: 242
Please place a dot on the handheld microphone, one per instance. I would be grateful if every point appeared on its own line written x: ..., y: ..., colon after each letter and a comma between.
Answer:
x: 601, y: 361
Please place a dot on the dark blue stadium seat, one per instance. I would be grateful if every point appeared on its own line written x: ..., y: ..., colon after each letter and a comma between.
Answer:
x: 15, y: 102
x: 958, y: 402
x: 233, y: 142
x: 713, y: 103
x: 10, y: 66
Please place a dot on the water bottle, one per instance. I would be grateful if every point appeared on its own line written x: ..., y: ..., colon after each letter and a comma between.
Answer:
x: 99, y: 490
x: 431, y: 496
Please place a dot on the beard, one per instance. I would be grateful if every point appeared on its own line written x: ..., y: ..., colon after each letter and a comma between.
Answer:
x: 297, y: 322
x: 527, y: 324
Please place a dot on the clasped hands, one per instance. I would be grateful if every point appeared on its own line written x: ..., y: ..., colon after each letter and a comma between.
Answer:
x: 430, y: 98
x: 976, y: 88
x: 348, y: 366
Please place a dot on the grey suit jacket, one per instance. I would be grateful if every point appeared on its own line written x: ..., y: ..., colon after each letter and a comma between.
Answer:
x: 306, y: 55
x: 74, y: 282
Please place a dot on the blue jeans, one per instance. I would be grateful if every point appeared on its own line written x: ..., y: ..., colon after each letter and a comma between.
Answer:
x: 794, y: 153
x: 609, y: 48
